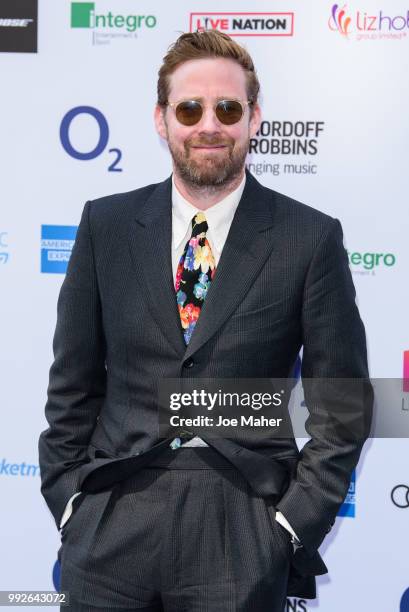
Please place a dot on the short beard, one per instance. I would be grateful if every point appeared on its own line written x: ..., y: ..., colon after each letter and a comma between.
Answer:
x: 212, y: 173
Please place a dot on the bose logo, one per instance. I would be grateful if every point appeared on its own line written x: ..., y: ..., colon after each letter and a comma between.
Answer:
x: 15, y: 23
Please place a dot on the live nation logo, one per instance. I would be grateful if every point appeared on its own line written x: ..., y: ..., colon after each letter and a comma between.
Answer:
x: 244, y: 24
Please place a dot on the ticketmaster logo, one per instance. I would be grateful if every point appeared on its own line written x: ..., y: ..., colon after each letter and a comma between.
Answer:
x: 18, y: 469
x: 83, y: 16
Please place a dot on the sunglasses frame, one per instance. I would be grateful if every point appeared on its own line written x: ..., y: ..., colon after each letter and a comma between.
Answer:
x: 243, y: 103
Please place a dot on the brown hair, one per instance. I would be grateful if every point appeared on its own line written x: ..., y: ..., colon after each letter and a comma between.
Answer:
x: 205, y: 44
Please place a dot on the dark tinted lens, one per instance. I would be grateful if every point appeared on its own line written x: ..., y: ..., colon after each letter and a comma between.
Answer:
x: 229, y: 111
x: 189, y: 112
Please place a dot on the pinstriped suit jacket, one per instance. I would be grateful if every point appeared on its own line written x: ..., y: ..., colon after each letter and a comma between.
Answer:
x: 118, y: 332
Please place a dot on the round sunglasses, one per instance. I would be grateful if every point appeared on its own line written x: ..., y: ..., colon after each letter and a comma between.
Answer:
x: 190, y: 112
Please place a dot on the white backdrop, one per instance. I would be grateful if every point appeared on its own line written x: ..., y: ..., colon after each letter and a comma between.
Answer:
x: 349, y: 79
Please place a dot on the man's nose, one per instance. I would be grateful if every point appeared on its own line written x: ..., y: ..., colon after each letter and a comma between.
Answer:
x: 209, y: 121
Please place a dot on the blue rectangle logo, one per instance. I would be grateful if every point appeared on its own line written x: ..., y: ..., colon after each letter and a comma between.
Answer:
x: 56, y: 246
x: 348, y: 507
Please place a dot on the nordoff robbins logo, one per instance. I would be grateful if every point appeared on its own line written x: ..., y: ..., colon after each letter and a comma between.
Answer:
x: 244, y: 24
x: 15, y: 23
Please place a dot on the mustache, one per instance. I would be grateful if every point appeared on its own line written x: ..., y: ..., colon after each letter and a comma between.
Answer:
x: 209, y: 141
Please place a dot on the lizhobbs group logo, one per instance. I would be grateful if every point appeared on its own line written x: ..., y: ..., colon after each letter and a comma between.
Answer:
x: 348, y: 507
x: 244, y: 24
x: 369, y: 263
x: 107, y: 27
x: 18, y: 26
x: 364, y: 26
x: 56, y: 246
x: 4, y: 248
x: 295, y: 142
x: 18, y: 469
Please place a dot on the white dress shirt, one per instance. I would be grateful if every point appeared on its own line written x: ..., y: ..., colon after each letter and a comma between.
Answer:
x: 219, y: 218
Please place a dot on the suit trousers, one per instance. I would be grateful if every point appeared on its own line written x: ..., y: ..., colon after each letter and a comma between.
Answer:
x: 184, y: 534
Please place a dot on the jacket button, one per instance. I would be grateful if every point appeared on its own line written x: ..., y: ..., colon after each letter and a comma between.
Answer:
x: 189, y: 363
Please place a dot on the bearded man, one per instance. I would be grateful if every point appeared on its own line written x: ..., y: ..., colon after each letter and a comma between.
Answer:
x: 207, y: 274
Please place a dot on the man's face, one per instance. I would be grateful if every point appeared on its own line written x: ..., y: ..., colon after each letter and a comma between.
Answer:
x: 208, y: 153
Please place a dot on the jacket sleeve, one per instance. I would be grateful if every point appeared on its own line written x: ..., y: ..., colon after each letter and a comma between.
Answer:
x: 337, y: 391
x: 77, y: 381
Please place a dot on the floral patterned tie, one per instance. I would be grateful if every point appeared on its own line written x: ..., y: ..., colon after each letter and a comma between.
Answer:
x: 194, y: 275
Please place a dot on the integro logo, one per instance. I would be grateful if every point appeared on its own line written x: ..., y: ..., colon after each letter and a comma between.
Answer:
x: 107, y: 27
x: 348, y: 507
x: 4, y: 253
x: 366, y: 263
x: 244, y: 24
x: 363, y: 26
x: 56, y: 246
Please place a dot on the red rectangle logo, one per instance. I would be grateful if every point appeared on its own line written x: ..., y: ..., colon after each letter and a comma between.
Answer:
x: 244, y: 24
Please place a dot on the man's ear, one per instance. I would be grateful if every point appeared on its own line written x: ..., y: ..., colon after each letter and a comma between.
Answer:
x: 159, y: 117
x: 255, y: 120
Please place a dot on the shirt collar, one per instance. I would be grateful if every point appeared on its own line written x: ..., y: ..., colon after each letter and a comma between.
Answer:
x: 219, y: 216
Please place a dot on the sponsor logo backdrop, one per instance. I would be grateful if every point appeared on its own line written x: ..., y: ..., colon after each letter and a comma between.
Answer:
x: 79, y: 92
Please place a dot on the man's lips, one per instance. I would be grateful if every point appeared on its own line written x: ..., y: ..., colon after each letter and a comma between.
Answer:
x: 209, y: 147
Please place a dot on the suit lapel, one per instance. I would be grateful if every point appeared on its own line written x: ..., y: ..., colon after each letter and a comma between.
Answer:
x: 150, y: 243
x: 247, y: 246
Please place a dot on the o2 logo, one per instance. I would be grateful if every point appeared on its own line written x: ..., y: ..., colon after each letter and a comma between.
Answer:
x: 102, y: 141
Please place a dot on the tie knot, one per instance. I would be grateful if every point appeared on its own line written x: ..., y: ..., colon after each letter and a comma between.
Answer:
x: 199, y: 224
